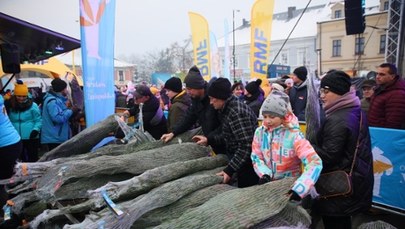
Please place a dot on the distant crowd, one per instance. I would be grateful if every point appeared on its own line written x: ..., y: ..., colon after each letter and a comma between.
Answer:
x: 229, y: 116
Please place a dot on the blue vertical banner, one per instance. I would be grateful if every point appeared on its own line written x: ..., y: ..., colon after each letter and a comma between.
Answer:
x: 388, y: 147
x: 97, y: 22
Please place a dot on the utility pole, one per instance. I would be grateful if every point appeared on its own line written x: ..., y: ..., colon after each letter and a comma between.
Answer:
x: 233, y: 48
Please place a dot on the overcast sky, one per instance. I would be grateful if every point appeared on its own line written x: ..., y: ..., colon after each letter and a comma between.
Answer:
x: 141, y: 25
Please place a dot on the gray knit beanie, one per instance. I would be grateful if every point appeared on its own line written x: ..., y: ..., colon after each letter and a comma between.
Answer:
x: 276, y: 104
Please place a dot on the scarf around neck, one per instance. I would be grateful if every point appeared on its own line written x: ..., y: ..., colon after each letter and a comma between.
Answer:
x: 347, y: 100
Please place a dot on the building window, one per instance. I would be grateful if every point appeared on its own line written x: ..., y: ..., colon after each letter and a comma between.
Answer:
x: 284, y: 58
x: 337, y: 47
x: 382, y: 43
x: 301, y: 56
x: 386, y: 5
x: 338, y: 13
x: 121, y: 75
x: 359, y: 47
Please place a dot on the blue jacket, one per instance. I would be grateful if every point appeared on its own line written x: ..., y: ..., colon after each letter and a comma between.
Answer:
x: 8, y: 134
x: 55, y: 119
x: 26, y: 120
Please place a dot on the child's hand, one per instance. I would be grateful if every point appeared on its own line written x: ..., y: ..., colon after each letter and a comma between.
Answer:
x: 264, y: 179
x: 294, y: 196
x: 226, y: 177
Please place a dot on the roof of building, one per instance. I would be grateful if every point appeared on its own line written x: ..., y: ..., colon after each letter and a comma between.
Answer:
x: 307, y: 26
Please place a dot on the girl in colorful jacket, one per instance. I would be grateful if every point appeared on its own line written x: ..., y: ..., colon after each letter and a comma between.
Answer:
x: 279, y: 148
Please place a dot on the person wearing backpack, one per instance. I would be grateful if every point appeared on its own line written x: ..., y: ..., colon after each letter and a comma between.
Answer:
x: 55, y: 115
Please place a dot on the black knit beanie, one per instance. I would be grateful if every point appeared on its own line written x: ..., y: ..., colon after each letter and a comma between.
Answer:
x: 58, y: 85
x: 194, y: 79
x: 220, y: 89
x: 174, y: 84
x: 336, y: 81
x: 301, y: 73
x: 253, y: 87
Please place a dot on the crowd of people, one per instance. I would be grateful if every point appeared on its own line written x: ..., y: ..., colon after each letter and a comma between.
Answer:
x: 229, y: 118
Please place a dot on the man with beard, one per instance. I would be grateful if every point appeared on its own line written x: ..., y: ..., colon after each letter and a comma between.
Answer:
x: 200, y: 112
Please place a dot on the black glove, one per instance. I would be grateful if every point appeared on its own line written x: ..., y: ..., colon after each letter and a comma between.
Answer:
x: 294, y: 196
x: 34, y: 134
x: 264, y: 179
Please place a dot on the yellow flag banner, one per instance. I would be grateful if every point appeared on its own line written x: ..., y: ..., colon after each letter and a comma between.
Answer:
x: 201, y: 44
x: 261, y: 22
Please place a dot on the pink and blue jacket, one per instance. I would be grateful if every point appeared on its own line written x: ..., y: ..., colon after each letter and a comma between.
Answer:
x: 279, y: 152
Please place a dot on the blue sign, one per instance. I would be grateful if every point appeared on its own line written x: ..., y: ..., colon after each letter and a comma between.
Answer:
x: 159, y: 79
x: 388, y: 147
x: 97, y: 20
x: 275, y: 70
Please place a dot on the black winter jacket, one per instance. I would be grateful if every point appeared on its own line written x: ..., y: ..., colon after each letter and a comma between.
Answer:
x: 255, y: 102
x: 336, y: 144
x: 206, y: 116
x: 149, y: 110
x: 298, y: 99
